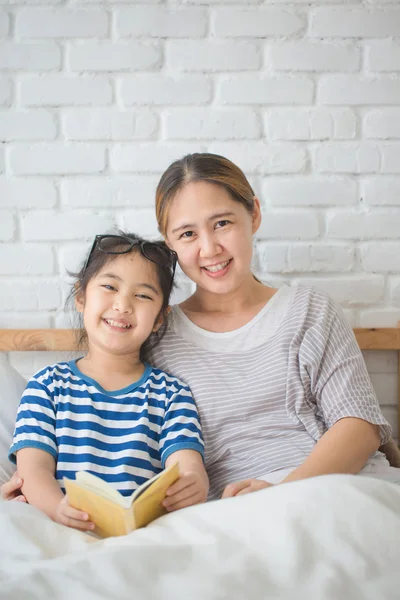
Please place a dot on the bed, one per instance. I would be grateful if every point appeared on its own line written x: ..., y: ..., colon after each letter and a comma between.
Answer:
x: 325, y: 538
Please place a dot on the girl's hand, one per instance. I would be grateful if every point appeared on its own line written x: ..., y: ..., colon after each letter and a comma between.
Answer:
x: 244, y: 487
x: 71, y: 517
x: 11, y: 490
x: 191, y: 488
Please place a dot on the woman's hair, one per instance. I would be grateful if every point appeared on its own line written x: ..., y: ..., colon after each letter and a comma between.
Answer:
x: 210, y: 168
x: 99, y: 259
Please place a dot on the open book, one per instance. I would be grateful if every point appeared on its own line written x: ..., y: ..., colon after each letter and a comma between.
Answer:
x: 113, y: 513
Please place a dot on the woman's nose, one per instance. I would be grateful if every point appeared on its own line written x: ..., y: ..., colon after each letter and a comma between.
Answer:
x: 209, y: 246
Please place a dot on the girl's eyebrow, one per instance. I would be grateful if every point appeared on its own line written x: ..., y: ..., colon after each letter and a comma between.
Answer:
x: 146, y: 285
x: 226, y: 213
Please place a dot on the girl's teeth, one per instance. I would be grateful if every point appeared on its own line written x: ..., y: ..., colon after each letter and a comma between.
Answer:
x: 115, y: 324
x: 216, y: 268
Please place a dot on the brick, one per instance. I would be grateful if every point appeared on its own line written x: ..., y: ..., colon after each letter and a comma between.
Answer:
x: 30, y: 295
x: 383, y: 57
x: 363, y: 90
x: 29, y: 57
x: 383, y: 123
x: 261, y: 157
x: 4, y: 24
x: 303, y: 55
x: 2, y: 167
x: 211, y: 123
x: 263, y: 89
x: 287, y: 225
x: 212, y: 55
x: 64, y: 90
x: 380, y: 257
x: 159, y: 22
x: 7, y: 226
x: 363, y: 226
x: 305, y: 191
x: 165, y: 89
x: 352, y: 290
x: 350, y: 157
x: 108, y: 124
x: 27, y: 320
x: 5, y: 91
x: 32, y: 125
x: 113, y: 56
x: 394, y: 289
x: 390, y: 157
x: 27, y: 193
x: 143, y: 221
x: 56, y: 158
x: 255, y: 22
x: 354, y: 22
x: 151, y: 157
x: 381, y: 191
x: 40, y: 226
x: 71, y: 257
x: 26, y: 259
x: 310, y: 124
x: 307, y: 258
x: 61, y: 23
x: 109, y: 192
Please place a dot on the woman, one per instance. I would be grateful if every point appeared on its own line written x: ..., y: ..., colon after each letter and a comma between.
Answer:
x: 280, y: 383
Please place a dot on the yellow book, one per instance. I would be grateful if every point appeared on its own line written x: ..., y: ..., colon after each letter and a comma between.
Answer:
x: 113, y: 513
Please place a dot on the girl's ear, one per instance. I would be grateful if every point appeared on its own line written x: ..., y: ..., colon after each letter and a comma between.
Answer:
x: 160, y: 318
x: 256, y: 215
x: 80, y: 301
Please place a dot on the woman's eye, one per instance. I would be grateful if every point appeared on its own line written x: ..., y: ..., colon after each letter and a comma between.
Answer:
x: 222, y: 223
x: 187, y: 234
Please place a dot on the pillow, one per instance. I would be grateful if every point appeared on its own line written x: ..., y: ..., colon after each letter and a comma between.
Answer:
x: 12, y: 385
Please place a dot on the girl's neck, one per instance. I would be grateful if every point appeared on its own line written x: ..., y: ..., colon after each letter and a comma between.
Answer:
x: 112, y: 372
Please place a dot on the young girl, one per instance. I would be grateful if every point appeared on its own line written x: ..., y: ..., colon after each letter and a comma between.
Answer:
x: 109, y: 412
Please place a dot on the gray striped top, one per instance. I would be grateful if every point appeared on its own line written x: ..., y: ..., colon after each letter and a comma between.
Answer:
x: 268, y: 391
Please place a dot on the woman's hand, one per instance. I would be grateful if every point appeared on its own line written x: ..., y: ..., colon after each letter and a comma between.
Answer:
x: 246, y: 486
x: 71, y: 517
x: 11, y: 490
x: 191, y: 488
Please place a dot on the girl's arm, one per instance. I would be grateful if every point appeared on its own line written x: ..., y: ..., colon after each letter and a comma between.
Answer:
x: 192, y: 485
x: 40, y: 488
x: 344, y: 448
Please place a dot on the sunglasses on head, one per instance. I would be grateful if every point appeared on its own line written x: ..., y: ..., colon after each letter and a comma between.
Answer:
x: 120, y: 244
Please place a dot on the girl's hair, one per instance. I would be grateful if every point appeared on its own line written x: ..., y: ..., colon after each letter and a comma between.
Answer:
x: 211, y: 168
x: 99, y: 259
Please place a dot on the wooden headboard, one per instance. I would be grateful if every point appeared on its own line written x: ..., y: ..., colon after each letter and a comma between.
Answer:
x: 65, y: 339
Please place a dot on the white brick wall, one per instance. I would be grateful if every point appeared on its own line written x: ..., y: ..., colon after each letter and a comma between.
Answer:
x: 96, y: 99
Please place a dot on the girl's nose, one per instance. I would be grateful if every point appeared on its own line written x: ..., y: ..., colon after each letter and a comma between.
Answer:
x: 122, y: 304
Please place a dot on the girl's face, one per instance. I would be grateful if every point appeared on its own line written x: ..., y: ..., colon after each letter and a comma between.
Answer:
x: 122, y: 304
x: 212, y: 235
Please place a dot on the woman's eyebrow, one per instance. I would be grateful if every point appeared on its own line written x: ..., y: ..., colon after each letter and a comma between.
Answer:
x: 226, y: 213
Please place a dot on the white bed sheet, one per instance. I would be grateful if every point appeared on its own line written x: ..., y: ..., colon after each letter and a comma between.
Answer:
x: 332, y: 537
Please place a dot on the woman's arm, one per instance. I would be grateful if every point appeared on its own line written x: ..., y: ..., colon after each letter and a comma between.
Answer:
x: 192, y: 485
x: 344, y: 448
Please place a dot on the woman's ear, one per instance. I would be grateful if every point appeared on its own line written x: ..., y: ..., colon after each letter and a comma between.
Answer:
x: 160, y: 318
x: 256, y: 215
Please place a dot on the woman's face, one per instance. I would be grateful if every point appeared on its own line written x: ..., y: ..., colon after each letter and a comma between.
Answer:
x: 212, y: 235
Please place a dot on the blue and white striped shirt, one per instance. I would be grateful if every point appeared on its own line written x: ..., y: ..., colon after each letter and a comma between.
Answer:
x: 123, y: 436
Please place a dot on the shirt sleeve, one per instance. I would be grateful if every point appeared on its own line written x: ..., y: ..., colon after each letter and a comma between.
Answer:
x: 181, y: 429
x: 333, y: 369
x: 36, y: 421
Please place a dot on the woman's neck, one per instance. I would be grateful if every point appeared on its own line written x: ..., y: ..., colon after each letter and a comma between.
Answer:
x: 226, y: 312
x: 111, y: 371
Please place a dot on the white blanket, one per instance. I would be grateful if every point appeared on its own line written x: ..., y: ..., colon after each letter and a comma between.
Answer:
x: 333, y: 537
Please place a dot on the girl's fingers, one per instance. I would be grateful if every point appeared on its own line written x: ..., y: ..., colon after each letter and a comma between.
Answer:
x: 195, y: 498
x: 179, y: 496
x: 183, y: 482
x: 78, y: 524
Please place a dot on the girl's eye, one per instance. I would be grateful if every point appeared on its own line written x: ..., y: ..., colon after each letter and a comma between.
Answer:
x: 143, y: 297
x: 107, y: 286
x: 222, y: 223
x: 187, y: 234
